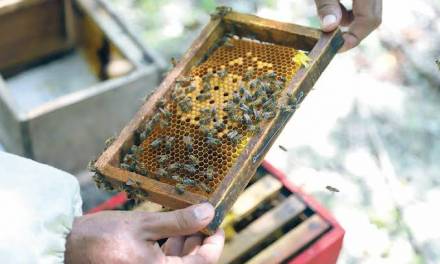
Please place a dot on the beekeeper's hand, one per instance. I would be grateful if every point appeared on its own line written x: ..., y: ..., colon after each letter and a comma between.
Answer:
x: 130, y: 237
x: 361, y: 21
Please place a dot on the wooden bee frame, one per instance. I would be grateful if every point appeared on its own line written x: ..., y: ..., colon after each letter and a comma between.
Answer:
x: 322, y: 48
x: 65, y: 131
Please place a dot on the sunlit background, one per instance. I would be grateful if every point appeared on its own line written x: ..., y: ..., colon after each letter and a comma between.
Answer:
x: 370, y: 127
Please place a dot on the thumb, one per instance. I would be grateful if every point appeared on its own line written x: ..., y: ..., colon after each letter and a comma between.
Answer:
x: 330, y: 14
x: 177, y: 223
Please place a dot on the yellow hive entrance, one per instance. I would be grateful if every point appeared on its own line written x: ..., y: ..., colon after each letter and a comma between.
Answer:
x: 236, y: 57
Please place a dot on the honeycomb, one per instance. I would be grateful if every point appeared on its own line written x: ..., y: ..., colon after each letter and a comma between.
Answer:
x: 227, y: 67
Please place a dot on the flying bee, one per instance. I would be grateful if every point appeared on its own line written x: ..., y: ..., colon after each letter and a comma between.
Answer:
x: 209, y: 173
x: 205, y: 187
x: 187, y: 140
x: 191, y: 88
x: 219, y: 125
x: 222, y: 73
x: 283, y: 148
x: 236, y: 98
x: 185, y: 105
x: 254, y: 129
x: 174, y: 166
x: 180, y: 188
x: 246, y: 120
x: 169, y: 142
x: 189, y: 168
x: 162, y: 158
x: 212, y: 141
x: 248, y: 74
x: 332, y: 189
x: 156, y: 143
x: 268, y: 115
x: 161, y: 173
x: 203, y: 96
x: 165, y: 112
x: 188, y: 181
x: 194, y: 159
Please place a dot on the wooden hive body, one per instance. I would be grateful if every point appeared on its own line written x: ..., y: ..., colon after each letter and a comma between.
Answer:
x: 234, y: 163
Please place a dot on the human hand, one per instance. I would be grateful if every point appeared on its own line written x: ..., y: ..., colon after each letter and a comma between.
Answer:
x: 362, y: 20
x: 130, y: 237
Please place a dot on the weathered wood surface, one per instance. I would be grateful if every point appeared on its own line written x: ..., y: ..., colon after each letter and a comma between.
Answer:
x: 291, y: 242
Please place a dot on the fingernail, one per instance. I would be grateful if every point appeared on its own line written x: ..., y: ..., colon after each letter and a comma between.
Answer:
x: 203, y: 211
x: 328, y: 20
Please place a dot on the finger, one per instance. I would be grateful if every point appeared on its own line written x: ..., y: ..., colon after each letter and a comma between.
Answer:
x: 367, y: 17
x: 330, y: 14
x: 173, y: 246
x: 180, y: 222
x: 210, y: 251
x: 192, y: 244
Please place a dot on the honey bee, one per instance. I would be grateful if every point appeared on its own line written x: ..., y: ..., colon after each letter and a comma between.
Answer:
x: 282, y: 79
x: 332, y: 189
x: 156, y: 143
x: 129, y: 158
x: 131, y: 182
x: 219, y: 125
x: 213, y: 111
x: 162, y: 158
x: 187, y: 140
x: 191, y: 88
x: 268, y: 115
x: 184, y: 81
x: 270, y: 75
x: 148, y: 128
x: 254, y: 129
x: 209, y: 173
x: 256, y: 114
x: 206, y: 112
x: 204, y: 120
x: 143, y: 135
x: 188, y: 181
x: 205, y: 187
x: 235, y: 117
x: 125, y: 166
x: 222, y: 73
x: 135, y: 149
x: 189, y: 168
x: 156, y: 118
x: 203, y: 96
x: 269, y: 105
x: 161, y: 173
x: 229, y: 107
x: 248, y: 96
x: 109, y: 141
x: 161, y: 103
x: 236, y: 98
x: 220, y: 12
x: 228, y: 43
x: 264, y: 86
x: 278, y: 85
x: 165, y: 112
x: 246, y: 119
x: 173, y: 61
x: 255, y: 83
x: 142, y: 171
x: 234, y: 136
x: 206, y: 87
x: 194, y: 159
x: 185, y: 105
x: 248, y: 74
x: 163, y: 123
x: 207, y: 77
x: 177, y: 178
x: 169, y: 142
x: 180, y: 188
x: 212, y: 141
x: 174, y: 166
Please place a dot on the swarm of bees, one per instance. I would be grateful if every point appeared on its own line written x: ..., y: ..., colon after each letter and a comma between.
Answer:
x: 256, y: 100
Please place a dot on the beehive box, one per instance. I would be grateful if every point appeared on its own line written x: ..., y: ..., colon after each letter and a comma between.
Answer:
x: 273, y: 221
x: 41, y: 35
x: 152, y: 157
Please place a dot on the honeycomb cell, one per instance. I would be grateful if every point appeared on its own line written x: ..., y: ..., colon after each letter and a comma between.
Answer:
x: 232, y: 62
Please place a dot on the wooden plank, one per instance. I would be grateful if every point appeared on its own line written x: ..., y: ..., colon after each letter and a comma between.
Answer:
x: 261, y: 228
x: 258, y: 192
x: 292, y: 242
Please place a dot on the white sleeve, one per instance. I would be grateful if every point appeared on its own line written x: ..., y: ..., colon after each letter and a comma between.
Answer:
x: 38, y: 206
